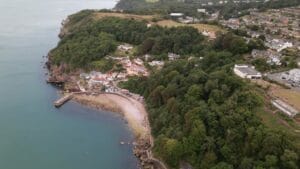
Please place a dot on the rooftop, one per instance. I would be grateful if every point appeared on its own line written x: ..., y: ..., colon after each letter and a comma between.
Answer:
x: 248, y: 70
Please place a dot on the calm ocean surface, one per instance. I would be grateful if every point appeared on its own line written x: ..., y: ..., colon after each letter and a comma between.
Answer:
x: 33, y: 134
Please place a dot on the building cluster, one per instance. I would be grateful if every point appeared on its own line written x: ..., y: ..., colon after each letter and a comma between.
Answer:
x: 157, y: 63
x: 279, y: 28
x: 278, y: 44
x: 205, y: 16
x: 281, y: 25
x: 273, y: 57
x: 224, y: 2
x: 134, y: 67
x: 98, y: 81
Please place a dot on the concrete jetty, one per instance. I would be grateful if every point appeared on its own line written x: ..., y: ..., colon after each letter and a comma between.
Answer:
x: 63, y: 100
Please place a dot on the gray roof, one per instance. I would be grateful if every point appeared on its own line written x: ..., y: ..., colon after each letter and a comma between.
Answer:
x: 248, y: 71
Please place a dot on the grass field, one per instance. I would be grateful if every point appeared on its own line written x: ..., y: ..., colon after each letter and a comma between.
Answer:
x: 290, y: 96
x: 200, y: 27
x: 272, y: 117
x: 277, y: 121
x: 167, y: 23
x: 100, y: 15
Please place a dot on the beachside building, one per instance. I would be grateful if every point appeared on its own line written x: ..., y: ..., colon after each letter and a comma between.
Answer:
x: 247, y: 71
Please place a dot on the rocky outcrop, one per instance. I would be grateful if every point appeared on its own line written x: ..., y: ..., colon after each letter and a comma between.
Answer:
x: 63, y: 29
x: 143, y: 151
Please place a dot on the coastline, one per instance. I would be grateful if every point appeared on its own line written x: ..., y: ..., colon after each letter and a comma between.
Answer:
x: 135, y: 114
x: 132, y: 110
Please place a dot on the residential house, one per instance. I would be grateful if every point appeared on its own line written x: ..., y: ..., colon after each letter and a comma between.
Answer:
x: 125, y: 47
x: 173, y: 56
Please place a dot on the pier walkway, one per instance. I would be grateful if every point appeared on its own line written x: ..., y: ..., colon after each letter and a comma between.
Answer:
x: 63, y: 100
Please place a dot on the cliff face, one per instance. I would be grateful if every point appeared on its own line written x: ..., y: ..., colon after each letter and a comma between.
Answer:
x: 63, y: 29
x: 73, y: 22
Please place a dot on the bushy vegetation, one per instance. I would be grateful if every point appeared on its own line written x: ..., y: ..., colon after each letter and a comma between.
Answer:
x: 83, y: 47
x: 95, y: 39
x: 199, y: 111
x: 202, y: 114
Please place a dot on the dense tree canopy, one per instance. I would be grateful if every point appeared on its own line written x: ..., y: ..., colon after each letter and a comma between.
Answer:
x: 199, y: 111
x: 95, y: 39
x: 202, y: 114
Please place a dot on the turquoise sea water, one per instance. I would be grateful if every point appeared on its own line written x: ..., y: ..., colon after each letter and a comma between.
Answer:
x: 33, y: 134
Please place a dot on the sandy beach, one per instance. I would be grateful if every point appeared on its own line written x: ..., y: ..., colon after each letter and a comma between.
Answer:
x: 133, y: 111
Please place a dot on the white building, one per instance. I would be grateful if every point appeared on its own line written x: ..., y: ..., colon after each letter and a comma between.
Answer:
x: 173, y: 56
x: 247, y: 71
x: 201, y: 10
x: 278, y: 44
x: 176, y: 14
x: 125, y: 47
x: 138, y: 61
x: 284, y: 46
x: 285, y: 108
x: 156, y: 63
x: 273, y: 60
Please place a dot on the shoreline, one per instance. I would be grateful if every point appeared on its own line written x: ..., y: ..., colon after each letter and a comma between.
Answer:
x: 131, y: 110
x: 135, y: 114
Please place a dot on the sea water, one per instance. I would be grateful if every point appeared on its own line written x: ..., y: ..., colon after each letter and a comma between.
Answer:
x: 34, y: 134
